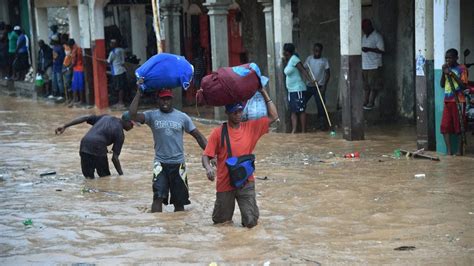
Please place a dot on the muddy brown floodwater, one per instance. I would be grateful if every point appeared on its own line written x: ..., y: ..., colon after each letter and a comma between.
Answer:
x: 339, y: 211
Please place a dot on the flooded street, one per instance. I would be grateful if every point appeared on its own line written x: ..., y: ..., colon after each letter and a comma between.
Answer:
x: 315, y: 206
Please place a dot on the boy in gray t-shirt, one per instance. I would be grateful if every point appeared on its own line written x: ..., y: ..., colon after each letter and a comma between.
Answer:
x: 169, y: 172
x: 320, y: 67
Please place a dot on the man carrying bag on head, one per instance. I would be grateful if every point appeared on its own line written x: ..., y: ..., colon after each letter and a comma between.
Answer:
x: 233, y: 144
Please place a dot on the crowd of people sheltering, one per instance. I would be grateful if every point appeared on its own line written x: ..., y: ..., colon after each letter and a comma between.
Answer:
x: 60, y: 67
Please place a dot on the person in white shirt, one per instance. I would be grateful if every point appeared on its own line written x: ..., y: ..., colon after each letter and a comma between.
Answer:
x: 119, y: 72
x: 372, y: 51
x: 319, y: 66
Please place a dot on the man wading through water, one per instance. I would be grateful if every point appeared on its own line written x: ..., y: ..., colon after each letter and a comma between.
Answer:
x: 169, y: 172
x: 243, y: 137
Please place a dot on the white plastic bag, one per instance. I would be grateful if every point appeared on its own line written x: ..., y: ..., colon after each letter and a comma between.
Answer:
x: 255, y: 108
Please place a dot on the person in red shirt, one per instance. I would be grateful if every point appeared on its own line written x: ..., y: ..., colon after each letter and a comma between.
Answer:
x: 243, y: 138
x: 77, y: 85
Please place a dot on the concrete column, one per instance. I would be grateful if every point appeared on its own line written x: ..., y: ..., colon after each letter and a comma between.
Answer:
x: 351, y: 69
x: 85, y: 42
x: 84, y: 26
x: 139, y: 37
x: 219, y: 39
x: 268, y: 11
x: 425, y: 129
x: 447, y: 26
x: 73, y: 14
x: 171, y: 23
x: 41, y: 15
x: 98, y: 54
x: 283, y: 32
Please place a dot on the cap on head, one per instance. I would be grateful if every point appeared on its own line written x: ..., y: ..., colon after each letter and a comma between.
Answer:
x: 231, y: 108
x: 55, y: 38
x: 165, y: 93
x: 17, y: 27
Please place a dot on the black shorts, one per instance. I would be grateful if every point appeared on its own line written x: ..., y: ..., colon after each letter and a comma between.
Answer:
x: 90, y: 163
x: 297, y: 101
x: 120, y: 82
x: 171, y: 179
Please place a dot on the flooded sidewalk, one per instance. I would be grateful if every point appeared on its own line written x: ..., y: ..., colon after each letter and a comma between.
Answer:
x: 315, y: 206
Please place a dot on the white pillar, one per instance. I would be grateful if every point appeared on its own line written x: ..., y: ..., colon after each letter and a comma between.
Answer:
x: 4, y: 15
x: 424, y: 77
x: 350, y: 13
x: 219, y: 39
x: 139, y: 37
x: 447, y: 26
x: 350, y: 30
x: 73, y: 15
x: 171, y: 23
x: 283, y: 32
x: 218, y: 31
x: 84, y: 26
x: 97, y: 19
x: 41, y: 15
x: 270, y: 40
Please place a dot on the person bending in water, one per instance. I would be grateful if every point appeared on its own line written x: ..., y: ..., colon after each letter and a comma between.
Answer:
x: 242, y: 137
x: 106, y: 130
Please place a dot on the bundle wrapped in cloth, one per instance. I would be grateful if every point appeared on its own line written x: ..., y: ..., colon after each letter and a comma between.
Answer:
x: 230, y: 85
x: 255, y: 108
x: 164, y: 71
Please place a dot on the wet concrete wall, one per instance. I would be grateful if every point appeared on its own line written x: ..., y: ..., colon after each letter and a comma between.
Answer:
x: 467, y: 31
x: 253, y: 31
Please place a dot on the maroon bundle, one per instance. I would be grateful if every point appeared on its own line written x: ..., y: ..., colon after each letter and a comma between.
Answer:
x: 228, y: 85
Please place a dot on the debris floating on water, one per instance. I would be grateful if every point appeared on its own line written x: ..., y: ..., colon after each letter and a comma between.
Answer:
x: 405, y: 248
x: 28, y: 222
x: 420, y: 176
x: 48, y: 173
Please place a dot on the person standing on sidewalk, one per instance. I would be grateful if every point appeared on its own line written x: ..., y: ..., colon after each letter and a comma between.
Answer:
x: 295, y: 71
x: 243, y: 137
x: 67, y: 67
x: 77, y: 86
x: 117, y: 66
x: 58, y: 59
x: 12, y: 40
x: 45, y: 63
x: 319, y: 66
x: 372, y: 51
x: 169, y: 171
x: 3, y: 54
x: 22, y: 60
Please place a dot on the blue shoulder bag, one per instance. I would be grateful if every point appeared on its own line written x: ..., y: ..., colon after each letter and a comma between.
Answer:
x: 240, y: 168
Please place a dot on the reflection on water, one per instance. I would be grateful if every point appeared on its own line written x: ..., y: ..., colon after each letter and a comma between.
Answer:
x: 316, y: 207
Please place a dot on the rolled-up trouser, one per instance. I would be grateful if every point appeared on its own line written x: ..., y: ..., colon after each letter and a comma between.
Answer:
x: 225, y: 204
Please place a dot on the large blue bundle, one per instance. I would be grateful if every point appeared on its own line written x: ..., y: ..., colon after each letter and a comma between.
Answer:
x: 164, y: 71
